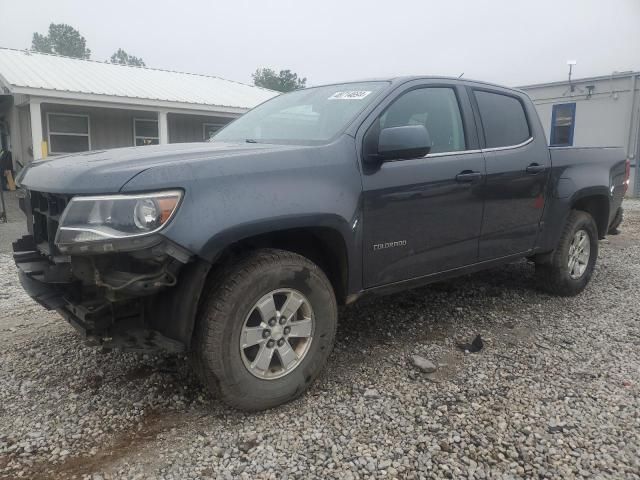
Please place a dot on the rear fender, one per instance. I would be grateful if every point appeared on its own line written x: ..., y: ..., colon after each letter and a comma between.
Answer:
x: 558, y: 210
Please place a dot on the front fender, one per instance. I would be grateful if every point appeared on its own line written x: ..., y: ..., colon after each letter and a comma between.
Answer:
x: 221, y: 240
x: 348, y: 233
x: 232, y: 198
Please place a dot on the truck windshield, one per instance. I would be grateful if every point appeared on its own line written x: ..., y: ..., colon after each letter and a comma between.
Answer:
x: 303, y: 117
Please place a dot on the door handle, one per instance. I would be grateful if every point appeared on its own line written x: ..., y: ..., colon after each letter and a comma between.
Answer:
x: 467, y: 176
x: 536, y: 168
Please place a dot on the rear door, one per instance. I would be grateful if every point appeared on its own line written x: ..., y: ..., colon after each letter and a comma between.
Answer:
x: 518, y: 166
x: 423, y: 216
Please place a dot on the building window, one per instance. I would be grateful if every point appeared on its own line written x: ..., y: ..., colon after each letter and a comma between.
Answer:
x: 563, y: 119
x: 209, y: 130
x: 145, y: 132
x: 68, y: 133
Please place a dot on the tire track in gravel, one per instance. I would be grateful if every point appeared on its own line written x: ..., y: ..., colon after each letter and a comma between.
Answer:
x: 126, y: 445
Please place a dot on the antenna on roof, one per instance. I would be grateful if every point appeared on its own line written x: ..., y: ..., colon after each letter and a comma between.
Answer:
x: 460, y: 76
x: 571, y: 63
x: 572, y: 87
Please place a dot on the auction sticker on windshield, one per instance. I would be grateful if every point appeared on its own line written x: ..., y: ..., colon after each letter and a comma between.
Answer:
x: 350, y: 95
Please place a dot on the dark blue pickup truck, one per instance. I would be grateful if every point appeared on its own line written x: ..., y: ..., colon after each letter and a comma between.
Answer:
x: 239, y: 251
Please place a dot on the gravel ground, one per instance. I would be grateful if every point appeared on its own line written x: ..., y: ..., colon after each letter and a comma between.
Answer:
x: 553, y: 394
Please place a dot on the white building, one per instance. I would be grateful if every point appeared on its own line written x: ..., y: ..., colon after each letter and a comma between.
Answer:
x: 51, y: 105
x: 593, y: 112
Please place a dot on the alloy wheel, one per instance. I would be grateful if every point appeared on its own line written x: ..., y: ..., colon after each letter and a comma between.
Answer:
x: 277, y: 334
x: 579, y: 252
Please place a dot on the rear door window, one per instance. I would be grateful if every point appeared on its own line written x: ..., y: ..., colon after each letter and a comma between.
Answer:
x: 503, y: 119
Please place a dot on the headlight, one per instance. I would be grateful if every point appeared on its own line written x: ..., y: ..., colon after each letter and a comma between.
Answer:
x: 111, y: 217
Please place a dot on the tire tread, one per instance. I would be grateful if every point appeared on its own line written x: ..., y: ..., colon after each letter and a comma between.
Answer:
x: 207, y: 352
x: 551, y: 276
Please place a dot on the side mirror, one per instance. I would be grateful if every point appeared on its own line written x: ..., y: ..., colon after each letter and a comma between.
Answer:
x: 403, y: 143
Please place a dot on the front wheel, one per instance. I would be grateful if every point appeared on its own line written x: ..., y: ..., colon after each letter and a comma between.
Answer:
x: 265, y: 330
x: 571, y: 264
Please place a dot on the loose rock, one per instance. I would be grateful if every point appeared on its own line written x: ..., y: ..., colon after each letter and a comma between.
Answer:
x: 423, y: 364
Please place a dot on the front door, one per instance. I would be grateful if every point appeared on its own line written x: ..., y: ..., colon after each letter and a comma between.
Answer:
x: 424, y: 215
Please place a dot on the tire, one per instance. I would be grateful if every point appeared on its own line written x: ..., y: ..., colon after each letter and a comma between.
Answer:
x: 229, y: 306
x: 615, y: 223
x: 555, y: 276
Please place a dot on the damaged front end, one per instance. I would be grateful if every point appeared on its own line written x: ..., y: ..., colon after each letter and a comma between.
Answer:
x: 121, y: 292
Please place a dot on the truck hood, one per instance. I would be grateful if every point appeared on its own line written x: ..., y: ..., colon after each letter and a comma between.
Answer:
x: 107, y: 171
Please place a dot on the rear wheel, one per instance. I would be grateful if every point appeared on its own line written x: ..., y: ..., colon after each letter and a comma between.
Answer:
x: 570, y: 266
x: 265, y: 330
x: 614, y: 228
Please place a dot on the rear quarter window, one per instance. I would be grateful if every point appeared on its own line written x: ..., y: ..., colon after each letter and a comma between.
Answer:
x: 503, y: 119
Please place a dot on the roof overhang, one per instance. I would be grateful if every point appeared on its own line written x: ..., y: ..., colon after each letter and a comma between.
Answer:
x: 112, y: 101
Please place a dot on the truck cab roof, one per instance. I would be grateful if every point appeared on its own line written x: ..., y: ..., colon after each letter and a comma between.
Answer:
x: 399, y: 80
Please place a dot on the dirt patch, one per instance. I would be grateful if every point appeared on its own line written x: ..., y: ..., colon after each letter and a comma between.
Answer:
x: 125, y: 445
x: 139, y: 373
x: 448, y: 365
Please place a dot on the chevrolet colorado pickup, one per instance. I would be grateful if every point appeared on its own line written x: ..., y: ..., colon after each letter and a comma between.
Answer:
x: 237, y: 252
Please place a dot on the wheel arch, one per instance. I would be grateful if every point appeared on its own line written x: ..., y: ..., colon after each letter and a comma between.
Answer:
x: 593, y: 200
x: 323, y: 241
x: 596, y: 203
x: 323, y: 245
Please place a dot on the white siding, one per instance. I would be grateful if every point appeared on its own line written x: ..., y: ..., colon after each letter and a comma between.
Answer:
x: 607, y: 117
x: 110, y: 127
x: 188, y: 128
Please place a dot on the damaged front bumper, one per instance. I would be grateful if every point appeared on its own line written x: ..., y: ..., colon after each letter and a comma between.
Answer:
x: 44, y: 281
x: 112, y: 299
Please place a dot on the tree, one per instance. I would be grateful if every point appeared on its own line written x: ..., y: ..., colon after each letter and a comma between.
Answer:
x: 285, y: 81
x: 62, y: 39
x: 123, y: 58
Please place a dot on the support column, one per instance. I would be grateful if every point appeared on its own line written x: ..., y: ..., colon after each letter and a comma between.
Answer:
x: 15, y: 139
x: 163, y: 128
x: 36, y: 128
x: 633, y: 145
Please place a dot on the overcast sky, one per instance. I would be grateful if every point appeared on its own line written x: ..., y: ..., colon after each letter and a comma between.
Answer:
x: 507, y: 41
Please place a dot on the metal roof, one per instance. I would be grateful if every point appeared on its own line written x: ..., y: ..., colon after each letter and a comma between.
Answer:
x: 611, y: 76
x: 31, y: 73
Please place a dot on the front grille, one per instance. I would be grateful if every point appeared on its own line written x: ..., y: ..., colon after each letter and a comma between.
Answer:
x: 46, y: 209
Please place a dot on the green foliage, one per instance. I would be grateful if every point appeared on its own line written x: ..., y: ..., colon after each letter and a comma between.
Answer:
x: 41, y: 43
x: 62, y: 39
x: 123, y: 58
x: 285, y: 81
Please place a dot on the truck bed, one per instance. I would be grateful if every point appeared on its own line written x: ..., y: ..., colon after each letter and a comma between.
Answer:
x: 595, y: 166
